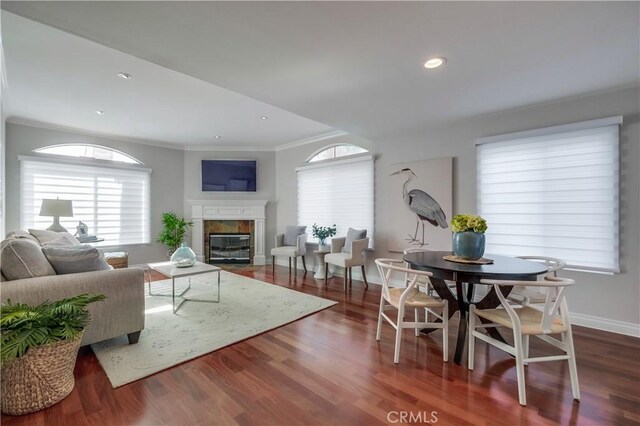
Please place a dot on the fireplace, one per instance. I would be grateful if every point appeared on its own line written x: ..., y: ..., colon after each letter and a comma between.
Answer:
x: 230, y: 248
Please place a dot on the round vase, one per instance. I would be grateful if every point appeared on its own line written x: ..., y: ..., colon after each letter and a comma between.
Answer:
x: 183, y: 257
x: 468, y: 245
x: 323, y: 246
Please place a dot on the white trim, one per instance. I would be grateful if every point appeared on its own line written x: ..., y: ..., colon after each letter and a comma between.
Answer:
x: 334, y: 145
x: 225, y: 148
x: 39, y: 151
x: 589, y: 124
x: 605, y: 324
x: 91, y: 162
x: 312, y: 139
x: 356, y: 158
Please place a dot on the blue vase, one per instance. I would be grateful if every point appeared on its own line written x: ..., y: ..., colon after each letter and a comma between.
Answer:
x: 183, y: 257
x: 468, y: 245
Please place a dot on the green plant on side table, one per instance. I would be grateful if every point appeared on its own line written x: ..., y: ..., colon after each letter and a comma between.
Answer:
x: 468, y: 236
x: 174, y: 231
x: 39, y: 349
x: 322, y: 233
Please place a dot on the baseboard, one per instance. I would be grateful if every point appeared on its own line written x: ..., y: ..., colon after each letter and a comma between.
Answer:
x: 604, y: 324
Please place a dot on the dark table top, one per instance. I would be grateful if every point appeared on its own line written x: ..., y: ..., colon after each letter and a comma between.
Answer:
x: 502, y: 268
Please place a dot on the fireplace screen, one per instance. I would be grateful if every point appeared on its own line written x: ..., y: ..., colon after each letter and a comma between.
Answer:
x: 229, y: 248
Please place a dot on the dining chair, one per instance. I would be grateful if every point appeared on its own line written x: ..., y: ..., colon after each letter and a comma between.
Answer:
x: 423, y: 282
x: 401, y: 298
x: 552, y: 319
x: 528, y: 295
x: 292, y: 243
x: 347, y: 252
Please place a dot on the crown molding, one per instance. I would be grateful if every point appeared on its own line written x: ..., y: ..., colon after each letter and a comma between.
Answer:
x: 306, y: 141
x: 227, y: 148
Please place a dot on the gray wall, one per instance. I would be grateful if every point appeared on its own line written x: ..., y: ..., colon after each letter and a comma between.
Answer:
x: 266, y: 184
x: 166, y: 179
x: 612, y: 297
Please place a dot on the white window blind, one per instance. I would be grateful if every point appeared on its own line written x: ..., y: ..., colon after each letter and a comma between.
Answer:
x: 338, y: 192
x: 553, y: 194
x: 112, y: 201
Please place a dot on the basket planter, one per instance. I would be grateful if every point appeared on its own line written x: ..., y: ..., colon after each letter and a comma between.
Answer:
x: 41, y: 378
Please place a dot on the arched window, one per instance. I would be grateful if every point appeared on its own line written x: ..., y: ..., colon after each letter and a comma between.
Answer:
x: 335, y: 186
x: 88, y: 151
x: 109, y: 191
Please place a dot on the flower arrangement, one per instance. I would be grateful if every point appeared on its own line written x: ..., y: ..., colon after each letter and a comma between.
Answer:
x: 468, y: 223
x: 323, y: 232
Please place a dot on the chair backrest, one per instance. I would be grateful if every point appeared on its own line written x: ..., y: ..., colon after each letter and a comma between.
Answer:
x: 386, y: 267
x: 408, y: 250
x: 553, y: 264
x: 555, y: 302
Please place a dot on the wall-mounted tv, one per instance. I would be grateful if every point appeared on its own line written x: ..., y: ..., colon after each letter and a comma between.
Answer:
x: 229, y: 175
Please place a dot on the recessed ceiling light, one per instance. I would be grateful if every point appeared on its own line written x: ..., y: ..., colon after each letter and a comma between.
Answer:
x: 99, y: 112
x: 435, y: 62
x: 125, y: 75
x: 264, y: 117
x: 218, y: 137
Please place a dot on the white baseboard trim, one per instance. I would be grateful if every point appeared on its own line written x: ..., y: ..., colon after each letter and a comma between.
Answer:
x: 605, y: 324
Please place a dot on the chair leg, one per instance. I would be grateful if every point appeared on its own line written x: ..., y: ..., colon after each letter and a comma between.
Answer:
x: 415, y: 319
x: 295, y: 265
x: 525, y: 348
x: 573, y: 369
x: 522, y: 395
x: 326, y: 273
x: 304, y: 264
x: 445, y: 331
x: 364, y: 277
x: 472, y: 340
x: 380, y: 318
x: 346, y: 278
x: 350, y: 270
x: 273, y: 264
x: 396, y: 353
x: 289, y: 266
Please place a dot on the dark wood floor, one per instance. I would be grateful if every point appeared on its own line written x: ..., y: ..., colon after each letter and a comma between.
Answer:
x: 328, y: 369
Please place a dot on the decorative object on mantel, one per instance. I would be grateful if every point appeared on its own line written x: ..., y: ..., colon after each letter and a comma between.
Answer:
x: 174, y: 231
x: 458, y: 259
x: 468, y: 237
x: 322, y: 233
x: 183, y: 257
x: 39, y: 349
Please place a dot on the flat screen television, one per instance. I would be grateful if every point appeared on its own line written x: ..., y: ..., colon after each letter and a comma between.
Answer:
x: 228, y: 175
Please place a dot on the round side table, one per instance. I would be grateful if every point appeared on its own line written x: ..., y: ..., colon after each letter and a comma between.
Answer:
x: 320, y: 254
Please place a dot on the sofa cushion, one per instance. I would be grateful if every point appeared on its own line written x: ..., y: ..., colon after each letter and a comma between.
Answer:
x: 21, y: 234
x: 22, y: 258
x: 353, y: 235
x: 291, y: 235
x: 45, y: 236
x: 74, y: 259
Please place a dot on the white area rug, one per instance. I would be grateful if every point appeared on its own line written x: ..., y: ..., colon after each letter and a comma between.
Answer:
x: 247, y: 308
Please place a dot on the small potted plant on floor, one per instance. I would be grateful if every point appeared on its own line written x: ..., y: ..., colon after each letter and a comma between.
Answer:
x: 468, y: 236
x: 39, y: 349
x: 322, y: 233
x: 174, y: 231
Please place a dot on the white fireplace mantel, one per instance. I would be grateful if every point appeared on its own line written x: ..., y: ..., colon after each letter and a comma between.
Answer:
x: 202, y: 210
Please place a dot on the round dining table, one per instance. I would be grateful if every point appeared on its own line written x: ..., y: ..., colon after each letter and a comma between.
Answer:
x: 502, y: 268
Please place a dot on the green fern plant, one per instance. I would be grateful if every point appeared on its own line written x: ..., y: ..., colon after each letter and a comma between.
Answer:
x: 23, y: 326
x: 174, y: 230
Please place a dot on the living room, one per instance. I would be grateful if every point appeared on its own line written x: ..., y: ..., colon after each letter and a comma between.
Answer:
x: 277, y: 84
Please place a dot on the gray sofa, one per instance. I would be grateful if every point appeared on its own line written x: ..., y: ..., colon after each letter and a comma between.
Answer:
x: 122, y: 312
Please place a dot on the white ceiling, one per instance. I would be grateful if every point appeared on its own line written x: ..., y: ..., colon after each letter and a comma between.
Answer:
x: 357, y: 66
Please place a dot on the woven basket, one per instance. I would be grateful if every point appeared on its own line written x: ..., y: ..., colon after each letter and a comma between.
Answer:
x: 117, y: 260
x: 40, y: 378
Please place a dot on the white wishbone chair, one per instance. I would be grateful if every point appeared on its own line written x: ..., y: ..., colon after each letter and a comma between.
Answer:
x: 528, y: 295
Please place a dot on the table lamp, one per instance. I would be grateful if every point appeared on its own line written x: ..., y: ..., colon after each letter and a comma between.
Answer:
x: 56, y: 208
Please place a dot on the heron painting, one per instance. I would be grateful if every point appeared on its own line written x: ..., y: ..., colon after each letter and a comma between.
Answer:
x: 424, y: 188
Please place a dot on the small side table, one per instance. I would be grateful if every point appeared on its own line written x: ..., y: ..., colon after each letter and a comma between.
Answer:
x: 320, y: 254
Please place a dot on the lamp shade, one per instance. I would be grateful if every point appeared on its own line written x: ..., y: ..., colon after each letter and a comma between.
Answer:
x: 59, y: 208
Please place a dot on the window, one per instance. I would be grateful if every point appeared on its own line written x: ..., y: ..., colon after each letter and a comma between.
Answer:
x: 336, y: 151
x: 88, y: 151
x: 337, y: 191
x: 112, y: 199
x: 553, y: 192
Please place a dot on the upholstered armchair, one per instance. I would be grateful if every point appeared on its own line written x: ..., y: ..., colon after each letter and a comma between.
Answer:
x: 347, y: 252
x: 291, y: 244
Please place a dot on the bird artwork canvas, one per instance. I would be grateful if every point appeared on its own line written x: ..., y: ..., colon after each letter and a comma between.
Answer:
x: 420, y: 196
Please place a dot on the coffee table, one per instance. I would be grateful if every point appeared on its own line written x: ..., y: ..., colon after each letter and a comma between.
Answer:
x: 173, y: 272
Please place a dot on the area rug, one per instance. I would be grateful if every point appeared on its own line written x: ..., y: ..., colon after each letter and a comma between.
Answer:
x: 247, y: 308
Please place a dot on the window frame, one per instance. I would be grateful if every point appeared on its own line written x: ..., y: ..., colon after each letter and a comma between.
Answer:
x: 309, y: 160
x: 135, y: 161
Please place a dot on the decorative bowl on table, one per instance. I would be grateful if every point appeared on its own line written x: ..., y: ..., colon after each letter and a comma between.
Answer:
x: 183, y: 257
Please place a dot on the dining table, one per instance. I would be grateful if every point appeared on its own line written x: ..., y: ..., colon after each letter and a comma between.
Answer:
x: 469, y: 275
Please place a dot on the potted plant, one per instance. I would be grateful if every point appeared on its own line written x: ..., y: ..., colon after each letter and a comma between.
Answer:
x: 39, y: 349
x: 468, y: 236
x: 174, y: 231
x: 322, y: 233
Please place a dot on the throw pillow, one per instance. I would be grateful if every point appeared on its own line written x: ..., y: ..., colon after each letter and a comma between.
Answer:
x: 21, y: 234
x: 291, y: 235
x: 353, y: 235
x: 45, y: 236
x: 75, y: 259
x: 22, y: 258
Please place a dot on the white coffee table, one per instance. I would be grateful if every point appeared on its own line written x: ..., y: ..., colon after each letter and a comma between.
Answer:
x: 173, y: 272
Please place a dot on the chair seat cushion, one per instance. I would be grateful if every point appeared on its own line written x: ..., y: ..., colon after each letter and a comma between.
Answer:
x: 416, y: 300
x: 290, y: 251
x: 530, y: 320
x: 339, y: 259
